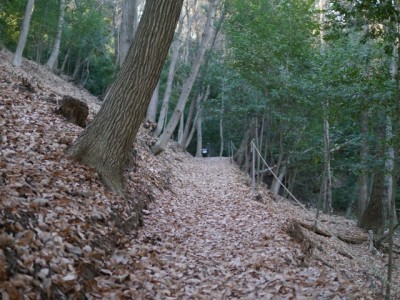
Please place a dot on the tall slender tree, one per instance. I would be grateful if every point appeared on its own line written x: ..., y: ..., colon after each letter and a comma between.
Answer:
x: 52, y: 62
x: 24, y: 33
x: 171, y: 74
x: 187, y: 86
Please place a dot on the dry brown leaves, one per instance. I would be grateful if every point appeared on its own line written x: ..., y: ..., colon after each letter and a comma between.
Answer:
x: 62, y: 235
x: 58, y: 225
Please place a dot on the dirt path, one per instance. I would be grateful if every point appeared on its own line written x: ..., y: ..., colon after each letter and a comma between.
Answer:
x: 211, y: 241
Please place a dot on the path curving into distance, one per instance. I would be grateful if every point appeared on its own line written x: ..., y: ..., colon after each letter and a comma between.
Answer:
x: 212, y: 241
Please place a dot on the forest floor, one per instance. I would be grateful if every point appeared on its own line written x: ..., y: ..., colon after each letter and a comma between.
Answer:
x: 204, y: 235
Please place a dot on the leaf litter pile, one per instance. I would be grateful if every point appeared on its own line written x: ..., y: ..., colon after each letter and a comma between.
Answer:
x: 203, y: 234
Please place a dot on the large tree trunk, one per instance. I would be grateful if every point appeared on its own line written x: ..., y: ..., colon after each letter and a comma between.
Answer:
x: 107, y: 142
x: 171, y: 74
x: 24, y: 34
x: 129, y: 23
x: 187, y: 87
x: 52, y: 62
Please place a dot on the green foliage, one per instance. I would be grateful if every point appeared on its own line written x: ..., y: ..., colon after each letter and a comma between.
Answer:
x: 11, y: 14
x: 86, y: 37
x: 284, y: 74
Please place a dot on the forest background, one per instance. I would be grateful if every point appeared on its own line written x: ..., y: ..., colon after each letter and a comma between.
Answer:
x: 314, y: 84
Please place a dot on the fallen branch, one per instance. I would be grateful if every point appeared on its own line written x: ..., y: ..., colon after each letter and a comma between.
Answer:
x: 352, y: 239
x: 317, y: 230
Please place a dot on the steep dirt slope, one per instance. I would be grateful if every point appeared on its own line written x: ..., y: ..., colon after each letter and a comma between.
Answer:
x: 58, y: 224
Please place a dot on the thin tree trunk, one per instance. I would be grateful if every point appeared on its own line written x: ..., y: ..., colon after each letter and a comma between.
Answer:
x: 257, y: 145
x: 389, y: 166
x: 392, y: 222
x: 65, y: 60
x: 152, y: 109
x: 24, y: 34
x: 171, y: 74
x: 276, y: 185
x: 78, y: 65
x: 187, y: 87
x: 107, y: 142
x: 261, y: 140
x: 52, y: 62
x: 181, y: 128
x: 363, y: 180
x: 199, y: 135
x: 129, y: 23
x: 240, y: 156
x: 189, y: 120
x: 188, y: 30
x: 218, y: 26
x: 327, y: 163
x: 200, y: 99
x: 221, y: 118
x: 85, y: 73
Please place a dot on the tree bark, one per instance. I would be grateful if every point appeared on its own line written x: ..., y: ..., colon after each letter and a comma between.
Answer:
x: 129, y: 23
x: 52, y: 62
x: 159, y: 146
x: 152, y: 109
x: 107, y: 142
x: 24, y: 34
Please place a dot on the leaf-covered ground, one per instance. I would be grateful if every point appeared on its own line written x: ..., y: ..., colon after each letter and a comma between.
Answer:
x: 204, y: 235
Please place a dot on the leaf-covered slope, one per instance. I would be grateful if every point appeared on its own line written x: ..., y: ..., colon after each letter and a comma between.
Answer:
x: 62, y: 235
x: 57, y: 221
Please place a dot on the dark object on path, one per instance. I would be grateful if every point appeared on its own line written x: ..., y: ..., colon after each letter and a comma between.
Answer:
x: 204, y: 152
x: 74, y: 110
